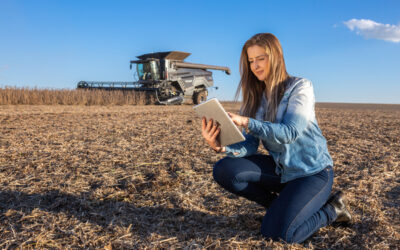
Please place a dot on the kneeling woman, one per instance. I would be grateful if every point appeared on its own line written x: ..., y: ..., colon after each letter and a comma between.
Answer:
x: 297, y: 175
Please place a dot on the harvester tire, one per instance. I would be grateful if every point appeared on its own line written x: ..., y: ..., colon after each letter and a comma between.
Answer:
x: 200, y: 96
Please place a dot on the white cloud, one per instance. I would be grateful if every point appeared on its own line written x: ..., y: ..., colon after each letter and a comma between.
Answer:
x: 371, y: 29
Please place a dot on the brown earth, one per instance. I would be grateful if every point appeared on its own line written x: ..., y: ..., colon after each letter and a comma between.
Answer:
x: 141, y: 176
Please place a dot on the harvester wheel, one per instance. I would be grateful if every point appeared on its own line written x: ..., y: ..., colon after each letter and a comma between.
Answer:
x: 200, y: 96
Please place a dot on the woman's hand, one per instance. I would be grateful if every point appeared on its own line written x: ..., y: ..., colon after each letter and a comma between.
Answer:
x: 210, y: 132
x: 239, y: 120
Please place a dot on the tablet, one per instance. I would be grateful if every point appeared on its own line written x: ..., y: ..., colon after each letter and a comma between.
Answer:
x: 212, y: 108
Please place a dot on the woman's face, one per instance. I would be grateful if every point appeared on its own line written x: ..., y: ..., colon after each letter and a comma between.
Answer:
x: 259, y: 63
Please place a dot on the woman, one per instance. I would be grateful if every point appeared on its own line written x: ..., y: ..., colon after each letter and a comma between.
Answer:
x: 297, y: 175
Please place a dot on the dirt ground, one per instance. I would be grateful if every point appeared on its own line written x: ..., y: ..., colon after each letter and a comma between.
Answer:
x: 141, y: 177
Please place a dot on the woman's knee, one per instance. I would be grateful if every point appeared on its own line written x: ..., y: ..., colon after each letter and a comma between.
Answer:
x: 220, y: 170
x: 277, y: 228
x: 276, y: 235
x: 273, y: 231
x: 226, y: 172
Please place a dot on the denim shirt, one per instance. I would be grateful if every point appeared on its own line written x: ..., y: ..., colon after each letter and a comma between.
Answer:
x: 294, y: 140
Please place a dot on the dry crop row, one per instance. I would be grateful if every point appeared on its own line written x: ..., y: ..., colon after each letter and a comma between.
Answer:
x: 34, y: 96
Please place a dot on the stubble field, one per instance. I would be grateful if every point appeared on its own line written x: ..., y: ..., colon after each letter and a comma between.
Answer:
x: 141, y: 177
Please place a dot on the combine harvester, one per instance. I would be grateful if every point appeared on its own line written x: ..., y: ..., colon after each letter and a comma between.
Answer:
x: 167, y: 76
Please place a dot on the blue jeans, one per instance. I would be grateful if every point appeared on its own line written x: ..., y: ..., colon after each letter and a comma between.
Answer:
x: 298, y: 207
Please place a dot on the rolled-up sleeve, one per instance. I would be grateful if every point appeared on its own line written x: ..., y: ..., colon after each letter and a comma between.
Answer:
x: 300, y: 110
x: 241, y: 149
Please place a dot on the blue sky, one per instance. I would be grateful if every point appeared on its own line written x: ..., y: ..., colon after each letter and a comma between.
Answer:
x: 350, y: 50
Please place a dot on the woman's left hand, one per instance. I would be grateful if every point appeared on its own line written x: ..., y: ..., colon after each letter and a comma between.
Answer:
x: 239, y: 120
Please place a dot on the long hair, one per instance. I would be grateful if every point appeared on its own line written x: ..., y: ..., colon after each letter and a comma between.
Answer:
x: 252, y: 89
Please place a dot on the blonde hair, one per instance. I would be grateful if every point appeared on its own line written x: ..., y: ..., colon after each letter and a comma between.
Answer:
x: 252, y: 88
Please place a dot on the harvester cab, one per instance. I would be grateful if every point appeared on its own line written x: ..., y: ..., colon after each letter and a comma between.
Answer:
x: 147, y: 70
x: 167, y: 76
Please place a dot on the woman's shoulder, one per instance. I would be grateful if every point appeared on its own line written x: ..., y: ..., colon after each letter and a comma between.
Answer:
x: 295, y: 82
x: 299, y: 87
x: 298, y: 84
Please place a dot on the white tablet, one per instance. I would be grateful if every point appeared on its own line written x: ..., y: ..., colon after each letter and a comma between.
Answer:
x: 212, y: 109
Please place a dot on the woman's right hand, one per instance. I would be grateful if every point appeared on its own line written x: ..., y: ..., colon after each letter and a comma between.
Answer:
x: 210, y: 132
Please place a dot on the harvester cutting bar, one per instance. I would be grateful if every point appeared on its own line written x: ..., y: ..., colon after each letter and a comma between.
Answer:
x: 109, y: 85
